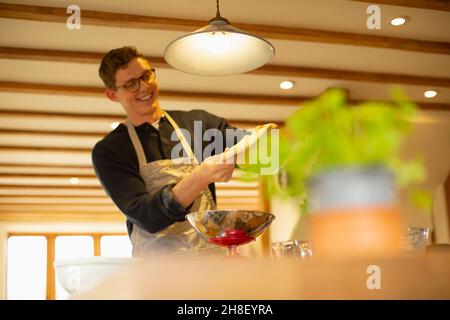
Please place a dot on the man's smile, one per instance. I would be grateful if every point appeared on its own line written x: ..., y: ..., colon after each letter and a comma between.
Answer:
x: 146, y: 96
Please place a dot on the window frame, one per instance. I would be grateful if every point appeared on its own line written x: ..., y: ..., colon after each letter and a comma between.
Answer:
x: 51, y: 237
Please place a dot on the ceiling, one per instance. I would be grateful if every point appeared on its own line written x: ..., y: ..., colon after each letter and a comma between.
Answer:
x: 52, y: 110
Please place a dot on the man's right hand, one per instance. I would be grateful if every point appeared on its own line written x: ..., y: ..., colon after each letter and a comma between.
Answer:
x: 216, y: 169
x: 212, y: 169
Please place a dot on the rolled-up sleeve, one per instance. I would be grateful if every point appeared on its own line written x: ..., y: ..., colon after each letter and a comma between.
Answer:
x: 171, y: 206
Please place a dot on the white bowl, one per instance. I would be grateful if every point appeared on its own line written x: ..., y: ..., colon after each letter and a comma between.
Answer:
x: 79, y: 274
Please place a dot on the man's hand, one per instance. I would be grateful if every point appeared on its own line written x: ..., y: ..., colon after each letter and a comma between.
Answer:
x: 212, y: 169
x: 217, y: 169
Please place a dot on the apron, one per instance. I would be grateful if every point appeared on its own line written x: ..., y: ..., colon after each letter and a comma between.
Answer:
x: 180, y: 237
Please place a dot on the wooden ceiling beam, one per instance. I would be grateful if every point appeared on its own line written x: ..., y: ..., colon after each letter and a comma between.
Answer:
x: 267, y: 70
x: 49, y: 196
x: 50, y: 175
x: 49, y: 148
x: 88, y: 180
x: 47, y: 187
x: 46, y: 175
x: 121, y: 20
x: 68, y: 172
x: 18, y: 203
x: 65, y: 56
x: 46, y: 171
x: 50, y: 201
x: 62, y: 216
x: 90, y: 116
x: 26, y: 196
x: 441, y: 5
x: 70, y: 233
x: 95, y: 188
x: 361, y: 76
x: 58, y: 206
x: 49, y: 165
x: 87, y: 208
x: 6, y: 86
x: 32, y: 207
x: 62, y: 115
x: 293, y: 101
x: 52, y: 133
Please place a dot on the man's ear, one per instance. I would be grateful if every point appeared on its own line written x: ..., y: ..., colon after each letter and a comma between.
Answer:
x: 111, y: 95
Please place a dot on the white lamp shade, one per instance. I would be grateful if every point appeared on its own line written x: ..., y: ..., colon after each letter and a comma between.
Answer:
x: 217, y: 50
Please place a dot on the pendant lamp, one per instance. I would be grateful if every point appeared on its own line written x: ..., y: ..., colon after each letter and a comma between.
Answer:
x: 218, y: 49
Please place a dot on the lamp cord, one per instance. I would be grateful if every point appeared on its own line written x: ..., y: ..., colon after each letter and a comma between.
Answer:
x: 218, y: 11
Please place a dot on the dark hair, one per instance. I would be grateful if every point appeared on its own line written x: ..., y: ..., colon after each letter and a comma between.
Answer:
x: 114, y: 60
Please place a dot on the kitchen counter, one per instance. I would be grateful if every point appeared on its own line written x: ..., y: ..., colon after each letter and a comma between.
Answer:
x: 406, y: 277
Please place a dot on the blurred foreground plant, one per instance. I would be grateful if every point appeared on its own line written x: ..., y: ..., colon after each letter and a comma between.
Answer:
x: 327, y: 133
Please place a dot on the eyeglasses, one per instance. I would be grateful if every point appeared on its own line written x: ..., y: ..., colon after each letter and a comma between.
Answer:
x: 133, y: 85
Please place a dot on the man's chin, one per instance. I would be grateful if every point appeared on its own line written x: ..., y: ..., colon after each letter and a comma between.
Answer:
x: 148, y: 108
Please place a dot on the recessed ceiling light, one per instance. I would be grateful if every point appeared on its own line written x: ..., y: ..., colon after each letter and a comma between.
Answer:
x: 399, y: 21
x: 286, y: 85
x: 74, y: 180
x: 114, y: 125
x: 430, y: 94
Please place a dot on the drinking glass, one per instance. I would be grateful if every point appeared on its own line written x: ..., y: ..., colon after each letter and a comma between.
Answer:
x: 291, y: 248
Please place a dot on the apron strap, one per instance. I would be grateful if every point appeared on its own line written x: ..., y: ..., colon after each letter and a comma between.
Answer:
x: 140, y: 150
x: 182, y: 139
x: 136, y: 143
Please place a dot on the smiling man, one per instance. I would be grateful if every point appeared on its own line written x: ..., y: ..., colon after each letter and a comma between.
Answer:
x: 134, y: 165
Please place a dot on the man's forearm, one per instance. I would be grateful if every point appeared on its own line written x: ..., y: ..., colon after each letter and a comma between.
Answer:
x: 189, y: 188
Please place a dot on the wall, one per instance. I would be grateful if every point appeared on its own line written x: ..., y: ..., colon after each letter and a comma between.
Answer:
x: 441, y: 216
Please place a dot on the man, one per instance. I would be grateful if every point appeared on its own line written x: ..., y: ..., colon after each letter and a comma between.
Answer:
x: 134, y: 165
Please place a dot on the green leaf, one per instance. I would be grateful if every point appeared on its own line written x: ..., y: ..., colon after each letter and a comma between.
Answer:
x: 422, y: 199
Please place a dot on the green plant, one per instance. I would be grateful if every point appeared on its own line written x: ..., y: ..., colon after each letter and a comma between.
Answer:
x: 327, y: 133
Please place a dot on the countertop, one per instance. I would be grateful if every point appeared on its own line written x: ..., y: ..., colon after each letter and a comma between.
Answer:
x: 424, y: 276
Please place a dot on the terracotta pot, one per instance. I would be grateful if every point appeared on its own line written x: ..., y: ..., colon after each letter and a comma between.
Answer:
x: 353, y: 213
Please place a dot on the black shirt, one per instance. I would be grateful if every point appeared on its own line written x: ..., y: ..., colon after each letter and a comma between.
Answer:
x: 117, y: 167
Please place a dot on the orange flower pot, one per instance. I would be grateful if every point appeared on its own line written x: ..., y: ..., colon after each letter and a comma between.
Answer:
x: 352, y: 213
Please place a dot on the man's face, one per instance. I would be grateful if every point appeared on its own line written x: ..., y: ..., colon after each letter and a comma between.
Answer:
x: 144, y: 101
